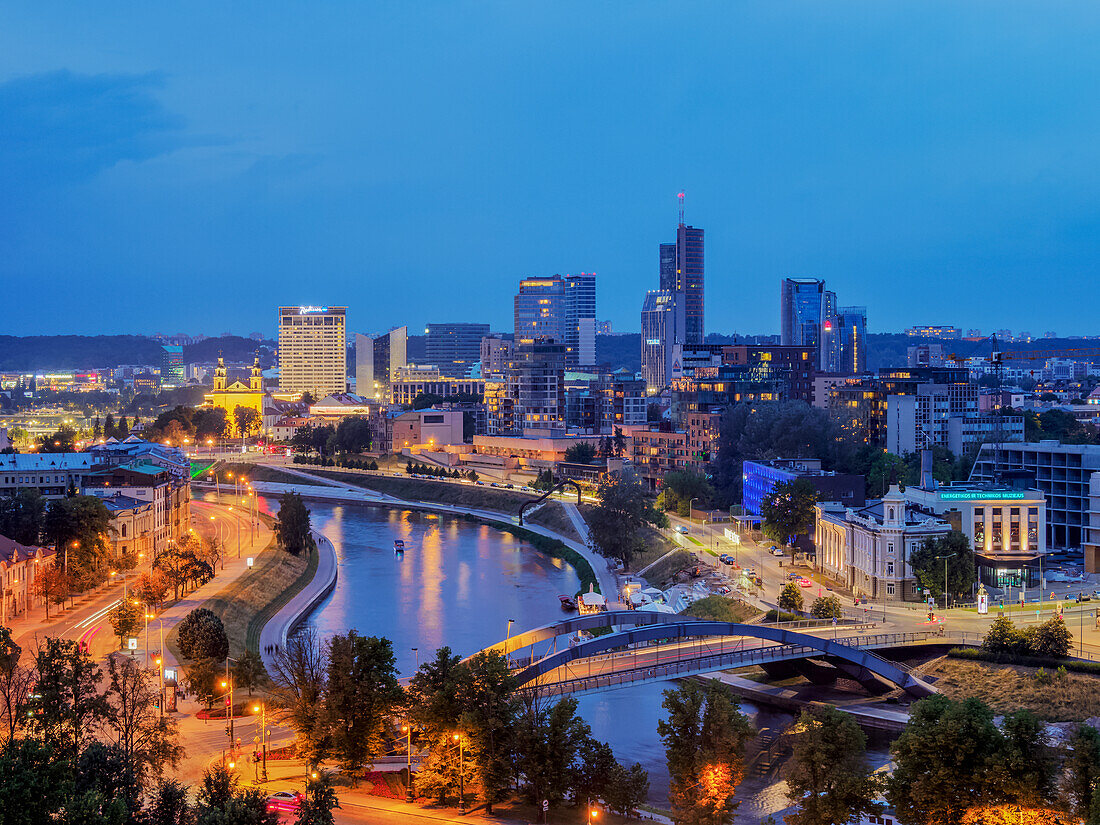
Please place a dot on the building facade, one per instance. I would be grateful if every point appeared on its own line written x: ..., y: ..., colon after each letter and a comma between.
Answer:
x: 758, y: 480
x: 659, y: 338
x: 20, y: 567
x: 454, y: 348
x: 376, y: 359
x: 1065, y: 474
x: 869, y: 548
x: 313, y: 354
x: 428, y: 429
x: 228, y: 397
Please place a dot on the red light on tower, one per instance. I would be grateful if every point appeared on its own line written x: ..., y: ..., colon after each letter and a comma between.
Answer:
x: 828, y: 325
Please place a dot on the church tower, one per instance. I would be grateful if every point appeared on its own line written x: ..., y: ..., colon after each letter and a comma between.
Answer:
x: 219, y: 374
x: 256, y: 382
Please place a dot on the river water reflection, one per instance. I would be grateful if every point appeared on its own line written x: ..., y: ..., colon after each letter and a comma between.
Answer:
x: 457, y: 584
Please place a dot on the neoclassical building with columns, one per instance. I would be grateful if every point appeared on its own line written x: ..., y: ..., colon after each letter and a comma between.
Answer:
x: 868, y: 549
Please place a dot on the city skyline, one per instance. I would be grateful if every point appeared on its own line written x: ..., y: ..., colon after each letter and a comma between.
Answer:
x: 385, y: 148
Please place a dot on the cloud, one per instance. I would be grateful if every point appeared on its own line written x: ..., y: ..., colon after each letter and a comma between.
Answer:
x: 61, y: 128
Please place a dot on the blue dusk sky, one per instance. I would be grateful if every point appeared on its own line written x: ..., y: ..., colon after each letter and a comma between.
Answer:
x: 188, y: 167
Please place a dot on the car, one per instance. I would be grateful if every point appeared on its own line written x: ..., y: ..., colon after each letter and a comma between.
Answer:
x: 681, y: 529
x: 722, y: 590
x: 284, y: 802
x: 794, y: 576
x: 750, y: 572
x: 775, y: 551
x: 1096, y: 594
x: 804, y: 582
x: 726, y: 558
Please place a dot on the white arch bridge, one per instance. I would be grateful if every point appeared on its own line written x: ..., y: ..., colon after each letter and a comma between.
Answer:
x: 654, y: 646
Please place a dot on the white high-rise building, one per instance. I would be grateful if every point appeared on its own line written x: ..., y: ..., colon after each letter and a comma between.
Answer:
x: 313, y: 350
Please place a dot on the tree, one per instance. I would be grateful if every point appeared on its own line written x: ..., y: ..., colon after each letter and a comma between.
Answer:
x: 147, y: 740
x: 80, y: 525
x: 212, y: 552
x: 318, y: 802
x: 434, y: 711
x: 484, y: 693
x: 1022, y: 770
x: 202, y: 680
x: 68, y: 708
x: 548, y: 740
x: 151, y: 588
x: 591, y: 771
x: 299, y: 688
x: 308, y: 398
x: 126, y: 618
x: 788, y: 510
x: 616, y: 522
x: 16, y: 682
x: 247, y: 670
x: 353, y: 434
x: 791, y: 597
x: 221, y: 802
x: 618, y: 446
x: 580, y: 453
x: 62, y: 441
x: 1082, y: 781
x: 704, y: 736
x: 771, y: 429
x: 829, y: 778
x: 246, y: 420
x: 627, y: 788
x: 1052, y: 638
x: 962, y: 567
x: 202, y: 636
x: 943, y: 758
x: 37, y: 785
x: 1002, y: 636
x: 679, y: 487
x: 293, y: 527
x: 169, y: 804
x: 172, y: 564
x: 826, y: 607
x: 51, y: 585
x: 362, y: 694
x: 23, y: 516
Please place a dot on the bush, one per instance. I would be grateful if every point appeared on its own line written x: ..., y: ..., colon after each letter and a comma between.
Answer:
x: 979, y: 655
x: 1050, y: 639
x: 791, y: 597
x: 1001, y: 637
x: 773, y: 616
x: 826, y: 607
x: 202, y: 636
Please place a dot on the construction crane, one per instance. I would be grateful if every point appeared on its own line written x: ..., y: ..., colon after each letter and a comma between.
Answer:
x: 996, y: 359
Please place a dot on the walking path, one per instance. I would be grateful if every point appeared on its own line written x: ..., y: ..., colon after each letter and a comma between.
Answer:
x: 274, y: 634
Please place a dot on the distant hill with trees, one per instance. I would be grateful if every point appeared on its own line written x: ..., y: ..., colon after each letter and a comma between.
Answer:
x: 66, y: 352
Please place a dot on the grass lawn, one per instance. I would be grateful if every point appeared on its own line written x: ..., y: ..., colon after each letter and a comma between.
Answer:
x: 553, y: 516
x: 665, y: 569
x: 412, y: 489
x: 721, y: 609
x: 247, y: 603
x: 1051, y: 697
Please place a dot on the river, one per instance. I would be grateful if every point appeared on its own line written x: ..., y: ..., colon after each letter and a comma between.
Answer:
x: 458, y: 584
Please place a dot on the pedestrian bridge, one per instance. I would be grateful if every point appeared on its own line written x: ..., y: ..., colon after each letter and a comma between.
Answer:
x: 655, y: 646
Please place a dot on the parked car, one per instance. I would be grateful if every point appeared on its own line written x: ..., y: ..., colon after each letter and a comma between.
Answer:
x: 726, y: 558
x: 284, y: 802
x: 805, y: 583
x: 775, y: 551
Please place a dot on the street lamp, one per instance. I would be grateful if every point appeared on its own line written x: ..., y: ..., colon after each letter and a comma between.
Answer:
x: 945, y: 558
x: 262, y: 710
x: 461, y: 778
x: 407, y: 730
x: 593, y: 814
x: 690, y: 503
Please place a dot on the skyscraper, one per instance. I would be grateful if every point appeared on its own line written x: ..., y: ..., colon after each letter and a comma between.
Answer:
x: 851, y: 329
x: 659, y: 326
x: 562, y: 309
x: 376, y: 358
x: 580, y: 319
x: 680, y: 271
x: 801, y: 308
x: 454, y: 348
x: 313, y: 354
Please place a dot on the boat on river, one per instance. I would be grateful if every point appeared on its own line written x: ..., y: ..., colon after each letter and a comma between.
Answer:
x: 398, y: 546
x: 567, y: 603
